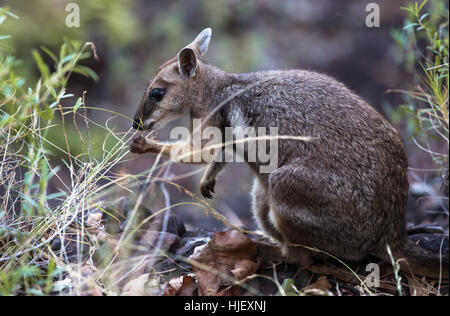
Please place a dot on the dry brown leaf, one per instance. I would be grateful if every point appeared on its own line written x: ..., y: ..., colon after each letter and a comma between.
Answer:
x: 181, y: 286
x: 320, y: 288
x: 94, y: 220
x: 230, y: 256
x: 152, y: 237
x: 136, y: 287
x: 347, y: 276
x: 87, y: 283
x: 142, y: 286
x: 340, y: 274
x: 418, y: 287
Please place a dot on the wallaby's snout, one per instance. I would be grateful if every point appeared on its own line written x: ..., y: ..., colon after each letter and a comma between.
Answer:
x: 144, y: 117
x: 138, y: 124
x: 169, y: 95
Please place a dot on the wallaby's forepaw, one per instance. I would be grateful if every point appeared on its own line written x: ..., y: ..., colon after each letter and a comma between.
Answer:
x: 141, y: 145
x: 207, y: 187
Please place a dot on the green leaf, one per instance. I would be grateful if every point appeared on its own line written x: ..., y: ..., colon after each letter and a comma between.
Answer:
x: 68, y: 58
x: 6, y: 119
x: 87, y: 72
x: 43, y: 176
x: 409, y: 10
x: 289, y: 288
x: 28, y: 271
x: 46, y: 113
x: 50, y: 54
x: 35, y: 292
x: 424, y: 16
x: 62, y: 51
x: 77, y: 104
x: 56, y: 195
x: 421, y: 5
x: 66, y: 96
x: 43, y: 68
x: 12, y: 15
x: 410, y: 25
x: 52, y: 92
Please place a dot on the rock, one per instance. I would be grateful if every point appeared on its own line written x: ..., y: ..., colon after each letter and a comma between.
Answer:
x: 189, y: 244
x: 72, y: 253
x: 122, y: 209
x: 425, y: 229
x: 189, y: 241
x: 152, y: 238
x: 432, y: 242
x: 174, y: 224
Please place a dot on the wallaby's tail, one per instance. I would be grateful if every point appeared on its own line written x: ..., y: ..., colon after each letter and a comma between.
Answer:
x: 421, y: 261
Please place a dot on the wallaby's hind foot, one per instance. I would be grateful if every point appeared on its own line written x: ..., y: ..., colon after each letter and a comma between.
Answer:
x: 293, y: 255
x: 297, y: 255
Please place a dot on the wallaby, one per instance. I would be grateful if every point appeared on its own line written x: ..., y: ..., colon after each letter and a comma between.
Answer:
x: 344, y: 192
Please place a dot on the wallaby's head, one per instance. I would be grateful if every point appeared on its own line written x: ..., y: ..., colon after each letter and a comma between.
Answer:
x: 174, y: 89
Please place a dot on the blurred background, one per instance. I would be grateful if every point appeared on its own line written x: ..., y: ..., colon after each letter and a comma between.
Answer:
x: 134, y: 37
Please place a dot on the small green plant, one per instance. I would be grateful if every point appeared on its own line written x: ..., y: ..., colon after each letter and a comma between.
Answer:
x: 48, y: 239
x: 27, y: 112
x: 424, y: 43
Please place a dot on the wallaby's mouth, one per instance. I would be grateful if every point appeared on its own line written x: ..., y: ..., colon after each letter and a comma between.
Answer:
x: 138, y: 125
x: 142, y: 126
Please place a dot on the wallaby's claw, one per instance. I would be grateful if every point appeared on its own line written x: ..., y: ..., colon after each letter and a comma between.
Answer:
x: 207, y: 188
x: 139, y: 145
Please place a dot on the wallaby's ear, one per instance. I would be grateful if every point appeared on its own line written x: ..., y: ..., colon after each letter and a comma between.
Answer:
x: 187, y: 57
x: 201, y: 42
x: 187, y: 62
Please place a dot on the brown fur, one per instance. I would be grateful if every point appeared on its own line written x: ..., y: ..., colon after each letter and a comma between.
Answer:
x: 343, y: 193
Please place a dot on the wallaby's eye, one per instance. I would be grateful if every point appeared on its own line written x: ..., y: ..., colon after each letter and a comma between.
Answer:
x: 157, y: 94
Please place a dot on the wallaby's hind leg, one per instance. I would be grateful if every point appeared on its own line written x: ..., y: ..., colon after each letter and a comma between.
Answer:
x: 261, y: 210
x: 262, y: 213
x: 310, y: 207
